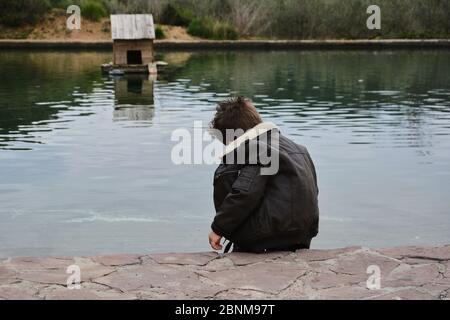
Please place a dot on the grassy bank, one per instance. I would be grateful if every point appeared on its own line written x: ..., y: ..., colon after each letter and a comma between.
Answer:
x: 251, y: 19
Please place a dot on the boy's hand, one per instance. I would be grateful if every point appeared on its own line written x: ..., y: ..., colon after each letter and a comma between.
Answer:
x: 214, y: 240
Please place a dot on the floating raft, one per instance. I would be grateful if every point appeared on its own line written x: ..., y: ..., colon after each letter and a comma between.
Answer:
x: 127, y: 69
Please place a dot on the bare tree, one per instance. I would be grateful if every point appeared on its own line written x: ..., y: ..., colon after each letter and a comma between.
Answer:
x: 247, y: 14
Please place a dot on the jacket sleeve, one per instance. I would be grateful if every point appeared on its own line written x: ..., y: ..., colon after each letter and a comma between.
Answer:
x: 246, y: 194
x: 313, y: 171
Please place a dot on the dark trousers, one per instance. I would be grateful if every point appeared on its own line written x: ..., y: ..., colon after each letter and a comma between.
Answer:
x: 291, y: 248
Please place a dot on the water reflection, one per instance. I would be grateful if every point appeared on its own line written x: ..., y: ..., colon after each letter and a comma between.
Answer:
x: 376, y: 123
x: 390, y: 99
x: 134, y: 98
x: 368, y: 94
x: 41, y: 92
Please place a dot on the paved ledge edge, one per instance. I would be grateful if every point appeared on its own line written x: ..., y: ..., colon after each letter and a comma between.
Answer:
x: 347, y: 273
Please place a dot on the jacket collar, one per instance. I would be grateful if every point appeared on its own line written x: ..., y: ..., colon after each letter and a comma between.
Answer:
x: 250, y: 134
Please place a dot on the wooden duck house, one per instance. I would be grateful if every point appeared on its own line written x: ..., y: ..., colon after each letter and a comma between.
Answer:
x: 133, y: 48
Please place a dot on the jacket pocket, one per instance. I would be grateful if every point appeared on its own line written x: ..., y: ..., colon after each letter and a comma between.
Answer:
x: 225, y: 179
x: 245, y: 178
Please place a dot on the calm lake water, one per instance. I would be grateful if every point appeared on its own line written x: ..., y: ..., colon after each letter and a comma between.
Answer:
x: 85, y: 159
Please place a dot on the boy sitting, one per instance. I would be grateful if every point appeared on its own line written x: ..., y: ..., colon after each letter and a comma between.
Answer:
x: 257, y: 210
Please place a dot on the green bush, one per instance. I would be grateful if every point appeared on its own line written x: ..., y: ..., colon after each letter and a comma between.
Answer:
x: 203, y: 28
x: 93, y: 10
x: 20, y: 12
x: 159, y: 32
x: 208, y: 29
x: 224, y: 31
x: 176, y: 16
x: 61, y: 4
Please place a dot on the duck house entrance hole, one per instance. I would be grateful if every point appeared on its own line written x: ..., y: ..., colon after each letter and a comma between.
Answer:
x: 134, y: 57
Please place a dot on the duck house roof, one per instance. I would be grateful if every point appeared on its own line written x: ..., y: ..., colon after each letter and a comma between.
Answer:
x: 132, y: 26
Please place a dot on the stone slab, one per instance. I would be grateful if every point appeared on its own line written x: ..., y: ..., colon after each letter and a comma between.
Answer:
x: 405, y: 273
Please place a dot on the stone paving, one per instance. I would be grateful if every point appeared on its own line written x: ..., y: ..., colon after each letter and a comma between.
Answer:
x: 348, y: 273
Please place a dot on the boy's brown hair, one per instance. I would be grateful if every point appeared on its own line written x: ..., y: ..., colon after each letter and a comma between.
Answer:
x: 235, y: 113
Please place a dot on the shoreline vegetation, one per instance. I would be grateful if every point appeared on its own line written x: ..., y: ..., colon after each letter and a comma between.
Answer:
x: 263, y: 20
x: 199, y: 44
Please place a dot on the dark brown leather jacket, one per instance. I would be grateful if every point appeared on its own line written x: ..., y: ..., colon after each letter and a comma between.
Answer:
x: 263, y: 212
